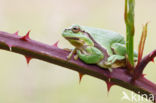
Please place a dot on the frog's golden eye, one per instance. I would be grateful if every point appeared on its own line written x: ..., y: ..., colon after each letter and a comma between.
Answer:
x: 75, y: 29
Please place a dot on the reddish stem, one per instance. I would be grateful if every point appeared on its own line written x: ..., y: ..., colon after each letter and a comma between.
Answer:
x: 52, y: 54
x: 141, y: 66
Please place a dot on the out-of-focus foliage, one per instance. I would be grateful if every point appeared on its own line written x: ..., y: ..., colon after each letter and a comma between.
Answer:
x: 41, y: 82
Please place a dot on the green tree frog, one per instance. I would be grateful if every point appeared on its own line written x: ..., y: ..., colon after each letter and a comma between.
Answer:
x: 84, y: 38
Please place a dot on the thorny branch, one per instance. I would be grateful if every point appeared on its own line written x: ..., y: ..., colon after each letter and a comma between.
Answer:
x: 119, y: 76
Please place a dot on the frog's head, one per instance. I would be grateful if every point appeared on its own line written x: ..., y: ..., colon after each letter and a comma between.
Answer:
x: 76, y: 36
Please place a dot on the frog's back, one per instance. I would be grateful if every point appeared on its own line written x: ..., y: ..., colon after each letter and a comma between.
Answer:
x: 104, y: 37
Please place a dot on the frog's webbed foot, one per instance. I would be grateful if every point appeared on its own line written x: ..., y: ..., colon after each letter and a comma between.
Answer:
x: 116, y: 61
x: 112, y: 59
x: 73, y: 51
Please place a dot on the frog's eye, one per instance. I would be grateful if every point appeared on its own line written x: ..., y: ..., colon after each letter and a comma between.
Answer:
x: 75, y: 29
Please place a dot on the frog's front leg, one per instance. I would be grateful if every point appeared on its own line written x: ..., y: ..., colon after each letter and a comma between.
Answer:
x: 90, y: 55
x: 73, y: 51
x: 119, y: 49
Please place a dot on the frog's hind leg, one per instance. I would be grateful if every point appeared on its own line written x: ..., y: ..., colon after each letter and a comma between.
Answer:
x: 112, y: 62
x: 118, y: 49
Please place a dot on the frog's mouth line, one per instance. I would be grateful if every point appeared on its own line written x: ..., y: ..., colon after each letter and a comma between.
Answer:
x: 72, y: 38
x: 75, y: 41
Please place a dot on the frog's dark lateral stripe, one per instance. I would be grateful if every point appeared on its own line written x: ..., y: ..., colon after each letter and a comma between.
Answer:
x: 97, y: 45
x: 73, y: 38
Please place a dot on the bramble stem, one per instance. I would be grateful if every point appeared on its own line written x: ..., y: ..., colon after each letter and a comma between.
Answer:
x: 51, y: 54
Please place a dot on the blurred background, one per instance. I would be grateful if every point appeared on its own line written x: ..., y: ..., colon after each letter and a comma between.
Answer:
x: 41, y: 82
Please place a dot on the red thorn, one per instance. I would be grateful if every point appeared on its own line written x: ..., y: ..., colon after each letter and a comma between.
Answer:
x: 26, y: 37
x: 16, y: 33
x: 56, y: 44
x: 153, y: 60
x: 109, y: 85
x: 28, y: 59
x: 80, y: 77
